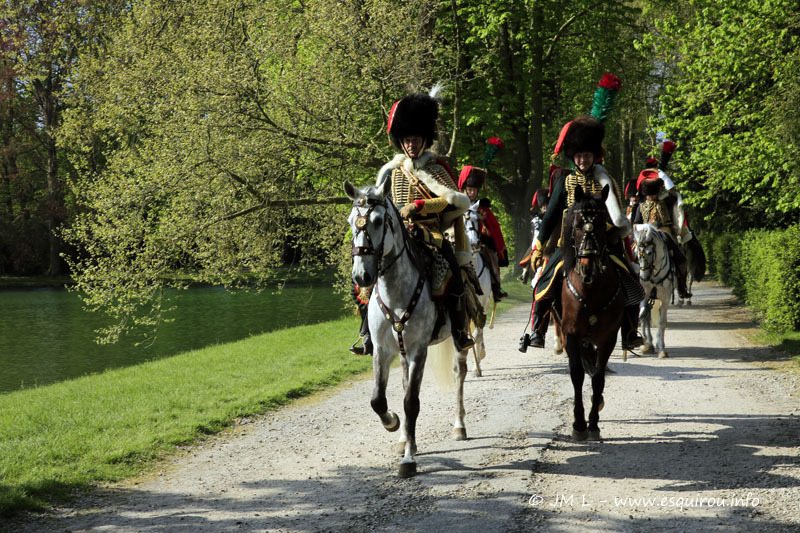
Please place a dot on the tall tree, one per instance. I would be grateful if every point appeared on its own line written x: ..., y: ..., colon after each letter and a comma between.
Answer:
x: 731, y: 105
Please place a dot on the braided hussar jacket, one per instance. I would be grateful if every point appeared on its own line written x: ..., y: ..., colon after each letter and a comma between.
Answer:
x: 428, y: 184
x: 563, y: 196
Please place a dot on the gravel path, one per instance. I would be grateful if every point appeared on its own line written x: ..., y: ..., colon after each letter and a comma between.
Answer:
x: 706, y: 440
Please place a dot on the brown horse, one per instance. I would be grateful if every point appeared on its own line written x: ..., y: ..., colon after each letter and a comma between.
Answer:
x: 592, y: 303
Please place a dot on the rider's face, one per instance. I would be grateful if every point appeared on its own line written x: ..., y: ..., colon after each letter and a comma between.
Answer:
x: 583, y: 160
x: 413, y: 145
x: 472, y: 192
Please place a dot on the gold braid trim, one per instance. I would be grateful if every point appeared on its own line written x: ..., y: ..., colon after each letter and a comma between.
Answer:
x: 589, y: 186
x: 655, y: 211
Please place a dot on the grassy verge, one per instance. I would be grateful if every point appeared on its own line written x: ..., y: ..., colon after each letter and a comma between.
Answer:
x: 57, y: 439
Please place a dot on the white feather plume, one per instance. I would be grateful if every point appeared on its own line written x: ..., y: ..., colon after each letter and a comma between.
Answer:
x: 436, y: 89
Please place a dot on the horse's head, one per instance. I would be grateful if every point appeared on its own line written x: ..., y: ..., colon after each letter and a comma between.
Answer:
x: 644, y: 239
x: 585, y: 227
x: 472, y: 227
x: 371, y: 224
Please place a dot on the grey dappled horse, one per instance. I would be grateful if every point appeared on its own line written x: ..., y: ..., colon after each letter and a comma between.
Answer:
x: 472, y: 226
x: 655, y: 272
x: 401, y: 314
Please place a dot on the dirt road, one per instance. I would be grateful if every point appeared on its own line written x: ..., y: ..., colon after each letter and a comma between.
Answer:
x: 706, y: 440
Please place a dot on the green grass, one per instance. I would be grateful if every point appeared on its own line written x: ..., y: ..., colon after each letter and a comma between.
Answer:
x: 788, y: 342
x: 62, y: 438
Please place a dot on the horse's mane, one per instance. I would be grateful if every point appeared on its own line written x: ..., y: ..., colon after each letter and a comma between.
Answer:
x: 372, y: 192
x: 588, y: 202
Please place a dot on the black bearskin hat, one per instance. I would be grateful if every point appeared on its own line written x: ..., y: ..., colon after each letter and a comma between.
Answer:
x: 585, y: 134
x: 649, y: 183
x: 471, y: 177
x: 413, y: 115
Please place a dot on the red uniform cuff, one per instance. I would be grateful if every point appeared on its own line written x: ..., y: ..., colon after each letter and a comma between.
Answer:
x: 418, y: 204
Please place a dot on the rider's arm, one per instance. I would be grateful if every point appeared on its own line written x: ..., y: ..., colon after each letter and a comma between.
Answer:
x: 432, y: 205
x: 555, y: 210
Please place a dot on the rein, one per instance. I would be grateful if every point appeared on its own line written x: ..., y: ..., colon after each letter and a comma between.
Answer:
x: 370, y: 249
x: 582, y: 301
x: 398, y: 324
x: 665, y: 267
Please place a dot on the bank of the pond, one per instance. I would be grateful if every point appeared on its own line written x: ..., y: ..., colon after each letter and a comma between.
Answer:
x: 61, y: 438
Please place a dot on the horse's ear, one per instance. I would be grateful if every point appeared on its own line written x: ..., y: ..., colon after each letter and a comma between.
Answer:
x: 350, y: 191
x: 386, y: 186
x: 578, y: 194
x: 604, y: 194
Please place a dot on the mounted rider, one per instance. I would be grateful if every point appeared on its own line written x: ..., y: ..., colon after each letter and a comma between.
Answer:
x: 493, y: 246
x: 665, y: 211
x: 538, y: 209
x: 425, y: 188
x: 580, y: 141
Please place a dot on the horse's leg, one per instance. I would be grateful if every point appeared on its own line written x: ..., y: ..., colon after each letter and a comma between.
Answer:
x: 689, y: 283
x: 459, y: 429
x: 408, y: 465
x: 662, y: 326
x: 558, y: 347
x: 644, y: 320
x: 381, y: 364
x: 401, y: 441
x: 598, y: 385
x: 576, y: 374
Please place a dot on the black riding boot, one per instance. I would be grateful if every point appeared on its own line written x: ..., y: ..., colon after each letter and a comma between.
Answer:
x: 681, y: 274
x: 366, y: 341
x: 457, y: 311
x: 540, y: 319
x: 630, y: 334
x: 497, y: 293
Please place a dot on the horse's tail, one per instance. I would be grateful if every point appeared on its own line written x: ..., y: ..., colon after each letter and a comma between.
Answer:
x: 589, y: 360
x: 698, y: 259
x: 442, y: 359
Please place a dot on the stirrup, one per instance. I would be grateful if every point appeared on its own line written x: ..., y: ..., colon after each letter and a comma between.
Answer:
x: 359, y: 350
x: 634, y: 340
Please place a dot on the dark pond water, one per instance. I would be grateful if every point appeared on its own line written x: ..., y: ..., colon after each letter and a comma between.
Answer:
x: 46, y: 336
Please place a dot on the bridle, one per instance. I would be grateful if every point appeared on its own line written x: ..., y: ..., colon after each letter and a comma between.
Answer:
x: 589, y: 247
x: 663, y: 269
x: 361, y: 222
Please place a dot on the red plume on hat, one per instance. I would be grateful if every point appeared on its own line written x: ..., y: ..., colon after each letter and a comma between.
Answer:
x: 667, y: 149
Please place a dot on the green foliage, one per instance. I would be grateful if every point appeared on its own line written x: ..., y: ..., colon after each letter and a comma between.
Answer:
x: 202, y: 114
x: 105, y: 427
x: 763, y: 267
x: 732, y: 106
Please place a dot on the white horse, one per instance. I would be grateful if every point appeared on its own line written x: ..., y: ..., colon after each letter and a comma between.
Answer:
x: 402, y: 314
x: 472, y: 226
x: 657, y: 279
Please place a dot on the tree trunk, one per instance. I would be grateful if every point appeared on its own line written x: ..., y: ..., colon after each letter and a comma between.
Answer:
x: 48, y: 104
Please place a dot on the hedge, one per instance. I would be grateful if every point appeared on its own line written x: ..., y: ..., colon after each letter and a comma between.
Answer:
x: 763, y: 268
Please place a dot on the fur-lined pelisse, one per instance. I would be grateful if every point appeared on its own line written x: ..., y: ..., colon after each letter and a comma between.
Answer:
x: 413, y: 115
x: 585, y: 134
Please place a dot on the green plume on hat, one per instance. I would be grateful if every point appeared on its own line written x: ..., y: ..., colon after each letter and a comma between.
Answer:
x: 604, y: 96
x: 493, y: 145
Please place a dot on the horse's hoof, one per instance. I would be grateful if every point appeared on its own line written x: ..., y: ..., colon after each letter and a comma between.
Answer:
x: 558, y: 351
x: 647, y: 348
x: 477, y: 374
x: 662, y: 355
x: 394, y: 425
x: 688, y: 302
x: 579, y: 435
x: 408, y: 469
x: 594, y: 434
x: 460, y: 433
x: 624, y: 355
x: 600, y: 407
